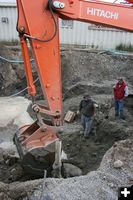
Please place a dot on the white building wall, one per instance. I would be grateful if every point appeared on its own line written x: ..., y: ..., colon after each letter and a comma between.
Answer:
x: 8, y: 18
x: 90, y: 36
x: 79, y: 33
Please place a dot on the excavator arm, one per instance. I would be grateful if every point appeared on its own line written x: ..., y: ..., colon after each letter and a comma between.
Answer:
x: 109, y: 14
x: 38, y: 25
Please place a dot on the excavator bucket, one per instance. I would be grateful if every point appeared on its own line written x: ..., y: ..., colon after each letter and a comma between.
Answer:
x: 36, y: 147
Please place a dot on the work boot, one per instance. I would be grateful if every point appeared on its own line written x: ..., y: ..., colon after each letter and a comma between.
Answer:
x: 86, y: 136
x: 116, y: 114
x: 123, y: 117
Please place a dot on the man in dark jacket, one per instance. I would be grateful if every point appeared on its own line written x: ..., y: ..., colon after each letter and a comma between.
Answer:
x: 87, y: 110
x: 120, y: 93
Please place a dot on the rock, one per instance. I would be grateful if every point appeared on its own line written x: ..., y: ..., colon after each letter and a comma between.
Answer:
x: 118, y: 164
x: 70, y: 170
x: 63, y: 155
x: 111, y: 185
x: 81, y: 132
x: 16, y: 173
x: 14, y: 111
x: 4, y: 196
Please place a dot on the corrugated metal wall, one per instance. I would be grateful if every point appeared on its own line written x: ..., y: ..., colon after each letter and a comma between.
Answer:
x: 8, y: 18
x: 94, y: 37
x: 71, y: 32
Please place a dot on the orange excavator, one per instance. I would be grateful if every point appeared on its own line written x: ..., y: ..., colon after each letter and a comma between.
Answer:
x: 38, y: 144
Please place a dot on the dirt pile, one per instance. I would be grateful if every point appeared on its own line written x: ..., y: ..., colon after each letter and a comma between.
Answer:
x: 93, y: 72
x: 82, y: 71
x: 11, y: 74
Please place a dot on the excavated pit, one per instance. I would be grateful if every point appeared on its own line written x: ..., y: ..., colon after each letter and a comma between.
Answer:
x: 82, y: 72
x: 83, y: 153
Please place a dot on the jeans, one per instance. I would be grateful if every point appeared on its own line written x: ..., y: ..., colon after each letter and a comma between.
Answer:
x: 119, y: 105
x: 87, y: 124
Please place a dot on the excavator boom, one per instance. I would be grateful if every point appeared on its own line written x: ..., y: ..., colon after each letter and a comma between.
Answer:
x: 107, y: 14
